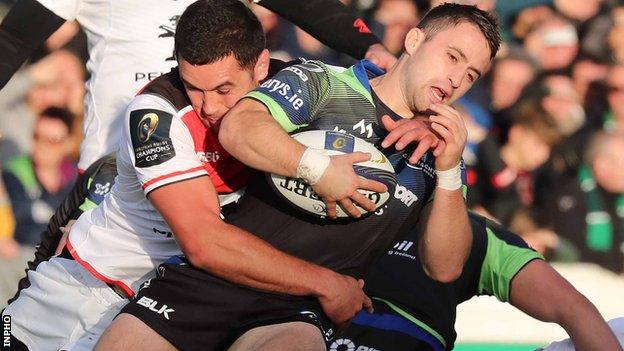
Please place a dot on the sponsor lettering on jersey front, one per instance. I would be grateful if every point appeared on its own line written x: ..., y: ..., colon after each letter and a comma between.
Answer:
x: 402, y: 248
x: 275, y: 86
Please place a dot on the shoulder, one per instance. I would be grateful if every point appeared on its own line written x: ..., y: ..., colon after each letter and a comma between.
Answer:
x: 167, y: 90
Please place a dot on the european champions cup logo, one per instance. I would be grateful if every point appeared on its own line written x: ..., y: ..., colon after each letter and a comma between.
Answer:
x: 147, y: 126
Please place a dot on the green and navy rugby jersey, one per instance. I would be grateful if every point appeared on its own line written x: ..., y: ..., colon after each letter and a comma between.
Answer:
x: 317, y: 96
x: 398, y: 280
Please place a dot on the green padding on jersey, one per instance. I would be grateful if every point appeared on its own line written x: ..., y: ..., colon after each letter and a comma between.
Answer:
x: 348, y: 77
x: 412, y: 319
x: 22, y: 168
x: 88, y: 204
x: 501, y: 263
x: 276, y: 111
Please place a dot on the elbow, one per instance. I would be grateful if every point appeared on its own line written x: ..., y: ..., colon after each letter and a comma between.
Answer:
x: 443, y: 274
x: 228, y: 132
x: 198, y: 257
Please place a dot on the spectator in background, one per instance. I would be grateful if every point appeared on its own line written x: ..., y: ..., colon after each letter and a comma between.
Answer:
x: 37, y: 183
x: 590, y: 211
x: 510, y: 75
x: 585, y: 71
x: 553, y: 42
x: 392, y: 19
x: 506, y: 171
x: 55, y: 80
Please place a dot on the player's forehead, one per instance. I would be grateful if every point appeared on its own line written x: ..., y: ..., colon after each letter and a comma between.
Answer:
x: 209, y: 76
x: 467, y: 39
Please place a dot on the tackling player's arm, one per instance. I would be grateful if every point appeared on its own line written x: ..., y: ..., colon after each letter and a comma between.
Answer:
x: 19, y: 37
x: 324, y: 18
x: 240, y: 257
x: 255, y: 132
x: 539, y: 291
x: 447, y: 238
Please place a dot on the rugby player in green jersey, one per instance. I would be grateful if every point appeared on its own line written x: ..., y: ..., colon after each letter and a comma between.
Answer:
x: 414, y: 312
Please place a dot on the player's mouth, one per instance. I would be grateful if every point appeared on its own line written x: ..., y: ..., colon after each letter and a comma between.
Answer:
x: 438, y: 95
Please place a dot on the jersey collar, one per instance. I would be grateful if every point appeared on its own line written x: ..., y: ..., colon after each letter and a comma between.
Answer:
x: 365, y: 70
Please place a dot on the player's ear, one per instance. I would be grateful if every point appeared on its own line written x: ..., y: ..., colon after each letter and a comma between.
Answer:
x: 414, y: 38
x: 261, y: 69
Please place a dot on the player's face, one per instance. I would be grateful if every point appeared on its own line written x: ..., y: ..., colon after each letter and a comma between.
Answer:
x: 443, y: 68
x: 215, y: 87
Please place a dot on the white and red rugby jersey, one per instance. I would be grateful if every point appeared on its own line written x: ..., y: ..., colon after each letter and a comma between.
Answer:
x: 163, y: 141
x: 130, y: 43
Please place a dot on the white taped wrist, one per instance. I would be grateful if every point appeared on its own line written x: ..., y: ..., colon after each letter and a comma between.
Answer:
x: 312, y: 165
x: 450, y: 179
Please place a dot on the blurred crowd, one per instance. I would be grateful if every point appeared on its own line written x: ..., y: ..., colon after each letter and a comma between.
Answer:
x: 546, y: 124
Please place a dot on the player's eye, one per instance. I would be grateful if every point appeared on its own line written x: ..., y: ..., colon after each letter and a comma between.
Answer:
x: 471, y: 78
x: 223, y: 91
x: 452, y: 57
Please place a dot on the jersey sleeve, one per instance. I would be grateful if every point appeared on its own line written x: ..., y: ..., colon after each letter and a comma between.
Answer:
x: 25, y: 28
x: 295, y: 94
x: 505, y: 256
x: 323, y: 19
x: 160, y: 145
x: 66, y: 9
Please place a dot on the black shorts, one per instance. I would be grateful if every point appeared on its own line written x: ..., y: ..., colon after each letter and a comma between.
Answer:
x: 383, y: 330
x: 195, y: 310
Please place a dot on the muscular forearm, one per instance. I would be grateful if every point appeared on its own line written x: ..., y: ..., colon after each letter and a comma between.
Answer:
x: 323, y: 19
x: 252, y: 136
x: 447, y: 236
x: 586, y: 327
x: 542, y: 293
x: 237, y: 256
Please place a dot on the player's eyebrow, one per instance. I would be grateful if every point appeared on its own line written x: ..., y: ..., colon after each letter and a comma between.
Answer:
x: 464, y: 58
x: 225, y: 84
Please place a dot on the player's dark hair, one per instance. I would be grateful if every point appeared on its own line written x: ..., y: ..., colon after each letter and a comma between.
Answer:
x: 449, y: 15
x: 210, y: 30
x: 59, y: 113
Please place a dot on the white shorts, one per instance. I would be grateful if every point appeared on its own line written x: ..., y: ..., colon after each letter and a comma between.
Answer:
x: 65, y: 308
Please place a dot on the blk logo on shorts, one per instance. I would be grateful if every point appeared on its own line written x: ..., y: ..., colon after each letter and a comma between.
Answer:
x: 151, y: 305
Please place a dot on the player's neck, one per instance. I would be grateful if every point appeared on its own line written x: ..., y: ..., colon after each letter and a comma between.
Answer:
x: 387, y: 89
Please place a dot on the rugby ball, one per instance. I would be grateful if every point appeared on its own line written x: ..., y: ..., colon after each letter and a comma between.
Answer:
x: 301, y: 195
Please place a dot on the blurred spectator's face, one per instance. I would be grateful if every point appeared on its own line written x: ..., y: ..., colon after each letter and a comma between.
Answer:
x: 584, y: 73
x: 615, y: 81
x: 563, y: 103
x: 608, y: 166
x: 554, y: 43
x: 440, y: 70
x: 509, y: 77
x: 51, y: 142
x: 42, y: 96
x: 65, y: 90
x: 528, y: 147
x: 397, y: 17
x: 580, y: 10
